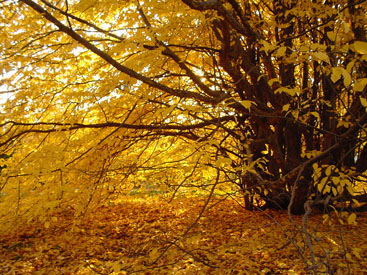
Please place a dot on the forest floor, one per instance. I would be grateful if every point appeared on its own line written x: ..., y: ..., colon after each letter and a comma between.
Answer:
x: 151, y: 236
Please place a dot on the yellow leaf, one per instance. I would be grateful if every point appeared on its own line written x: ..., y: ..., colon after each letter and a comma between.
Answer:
x: 335, y: 180
x: 304, y: 48
x: 356, y: 253
x: 321, y: 185
x: 322, y: 56
x: 360, y: 47
x: 352, y: 219
x: 338, y: 72
x: 247, y: 103
x: 363, y: 101
x: 357, y: 203
x: 316, y: 114
x: 295, y: 114
x: 286, y: 107
x: 348, y: 257
x: 345, y: 124
x: 328, y: 170
x: 227, y: 6
x: 360, y: 84
x: 167, y: 111
x: 327, y: 189
x: 271, y: 81
x: 154, y: 253
x: 347, y: 78
x: 350, y: 66
x: 317, y: 46
x: 331, y: 36
x: 267, y: 46
x: 47, y: 224
x: 221, y: 161
x: 116, y: 266
x: 291, y: 92
x: 350, y: 190
x: 281, y: 51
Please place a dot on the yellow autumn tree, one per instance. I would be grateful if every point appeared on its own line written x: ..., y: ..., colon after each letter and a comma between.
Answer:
x: 267, y: 97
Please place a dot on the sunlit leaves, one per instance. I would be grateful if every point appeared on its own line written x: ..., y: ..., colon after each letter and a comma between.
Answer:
x: 338, y: 72
x: 171, y: 94
x: 360, y: 47
x: 321, y: 56
x: 331, y: 35
x: 281, y: 51
x: 221, y: 161
x: 268, y: 47
x: 360, y: 84
x: 330, y: 180
x: 363, y: 101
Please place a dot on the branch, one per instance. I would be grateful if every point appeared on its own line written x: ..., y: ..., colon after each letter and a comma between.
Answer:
x: 245, y: 28
x: 203, y: 5
x: 63, y: 127
x: 321, y: 24
x: 113, y: 62
x: 89, y: 24
x: 168, y: 52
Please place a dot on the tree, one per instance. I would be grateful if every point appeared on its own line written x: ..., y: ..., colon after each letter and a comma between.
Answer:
x: 269, y: 96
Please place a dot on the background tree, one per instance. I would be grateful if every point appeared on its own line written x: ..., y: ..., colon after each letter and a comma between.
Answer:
x: 268, y: 96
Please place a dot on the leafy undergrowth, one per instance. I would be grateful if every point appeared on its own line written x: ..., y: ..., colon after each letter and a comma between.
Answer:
x: 143, y: 236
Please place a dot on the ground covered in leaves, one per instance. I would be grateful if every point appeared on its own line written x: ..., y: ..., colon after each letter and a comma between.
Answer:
x: 151, y: 236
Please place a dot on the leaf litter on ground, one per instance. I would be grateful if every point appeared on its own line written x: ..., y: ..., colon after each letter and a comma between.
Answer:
x: 149, y: 236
